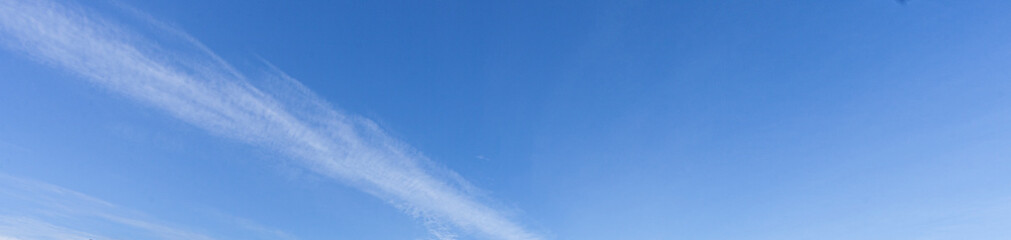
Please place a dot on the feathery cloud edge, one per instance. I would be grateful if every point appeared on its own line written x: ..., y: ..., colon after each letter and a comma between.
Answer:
x: 180, y: 76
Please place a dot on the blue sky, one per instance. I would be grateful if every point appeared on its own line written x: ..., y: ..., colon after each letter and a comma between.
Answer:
x: 190, y: 119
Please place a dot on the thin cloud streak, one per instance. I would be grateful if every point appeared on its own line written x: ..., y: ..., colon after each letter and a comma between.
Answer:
x: 37, y: 210
x: 24, y: 228
x: 193, y: 84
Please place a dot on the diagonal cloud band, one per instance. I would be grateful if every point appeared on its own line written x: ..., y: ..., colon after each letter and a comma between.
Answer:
x: 193, y: 84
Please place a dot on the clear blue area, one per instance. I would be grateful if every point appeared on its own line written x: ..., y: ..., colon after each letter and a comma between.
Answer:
x: 864, y: 119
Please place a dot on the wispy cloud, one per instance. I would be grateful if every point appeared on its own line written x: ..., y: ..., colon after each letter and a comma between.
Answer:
x: 24, y: 228
x: 37, y: 210
x: 169, y: 70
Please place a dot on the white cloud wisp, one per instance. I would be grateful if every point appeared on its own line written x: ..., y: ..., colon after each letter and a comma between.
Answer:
x: 36, y: 210
x: 193, y: 84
